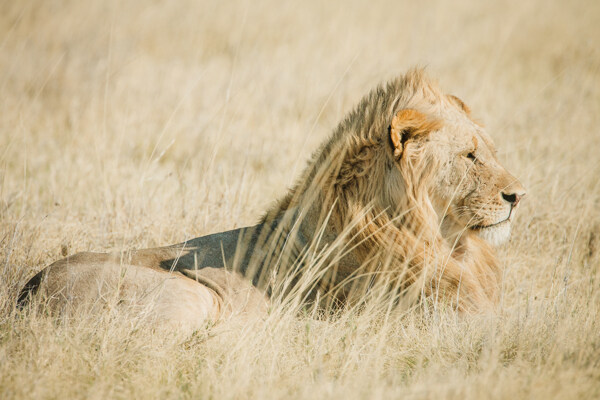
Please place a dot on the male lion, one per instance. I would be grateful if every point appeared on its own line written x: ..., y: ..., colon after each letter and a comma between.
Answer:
x: 406, y: 195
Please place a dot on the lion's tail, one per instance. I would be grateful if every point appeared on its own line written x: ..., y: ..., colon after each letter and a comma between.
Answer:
x: 29, y: 290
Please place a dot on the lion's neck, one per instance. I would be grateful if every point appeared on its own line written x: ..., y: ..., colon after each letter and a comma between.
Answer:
x: 453, y: 234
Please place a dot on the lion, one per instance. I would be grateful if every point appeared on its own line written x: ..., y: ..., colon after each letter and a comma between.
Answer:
x: 406, y: 195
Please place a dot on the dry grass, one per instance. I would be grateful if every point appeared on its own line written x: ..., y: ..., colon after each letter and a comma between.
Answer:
x: 137, y: 124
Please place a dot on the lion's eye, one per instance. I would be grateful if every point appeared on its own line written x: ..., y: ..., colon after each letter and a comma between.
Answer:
x: 471, y: 156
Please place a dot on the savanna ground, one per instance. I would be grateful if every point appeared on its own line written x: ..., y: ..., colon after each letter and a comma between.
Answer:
x: 137, y: 124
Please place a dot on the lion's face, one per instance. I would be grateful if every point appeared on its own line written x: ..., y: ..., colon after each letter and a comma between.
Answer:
x: 469, y: 189
x: 475, y: 191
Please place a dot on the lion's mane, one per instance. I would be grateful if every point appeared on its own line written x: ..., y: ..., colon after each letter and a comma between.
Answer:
x: 381, y: 217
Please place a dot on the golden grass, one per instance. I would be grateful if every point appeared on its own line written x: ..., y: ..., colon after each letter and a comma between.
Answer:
x: 137, y: 124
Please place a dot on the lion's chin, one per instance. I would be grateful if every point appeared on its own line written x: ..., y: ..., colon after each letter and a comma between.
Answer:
x: 496, y: 234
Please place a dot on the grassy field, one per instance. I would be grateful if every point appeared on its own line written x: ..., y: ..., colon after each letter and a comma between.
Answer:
x: 144, y: 123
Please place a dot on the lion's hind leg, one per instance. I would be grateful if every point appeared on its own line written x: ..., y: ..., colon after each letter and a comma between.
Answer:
x: 79, y: 284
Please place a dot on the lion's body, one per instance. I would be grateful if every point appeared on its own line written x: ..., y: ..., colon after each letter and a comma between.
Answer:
x: 185, y: 284
x: 398, y: 196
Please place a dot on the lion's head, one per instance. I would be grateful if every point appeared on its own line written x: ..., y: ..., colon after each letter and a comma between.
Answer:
x: 410, y: 148
x: 438, y: 141
x: 412, y: 182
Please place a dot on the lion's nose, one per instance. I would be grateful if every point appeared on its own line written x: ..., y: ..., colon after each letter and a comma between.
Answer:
x: 513, y: 198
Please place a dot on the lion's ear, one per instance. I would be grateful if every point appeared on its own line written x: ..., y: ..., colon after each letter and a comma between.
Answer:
x: 461, y: 104
x: 407, y: 124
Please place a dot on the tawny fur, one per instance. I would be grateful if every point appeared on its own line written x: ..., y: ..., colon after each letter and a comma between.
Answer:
x: 365, y: 177
x: 398, y: 197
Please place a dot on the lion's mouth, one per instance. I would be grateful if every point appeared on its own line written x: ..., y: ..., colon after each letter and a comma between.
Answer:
x: 482, y: 227
x: 495, y: 234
